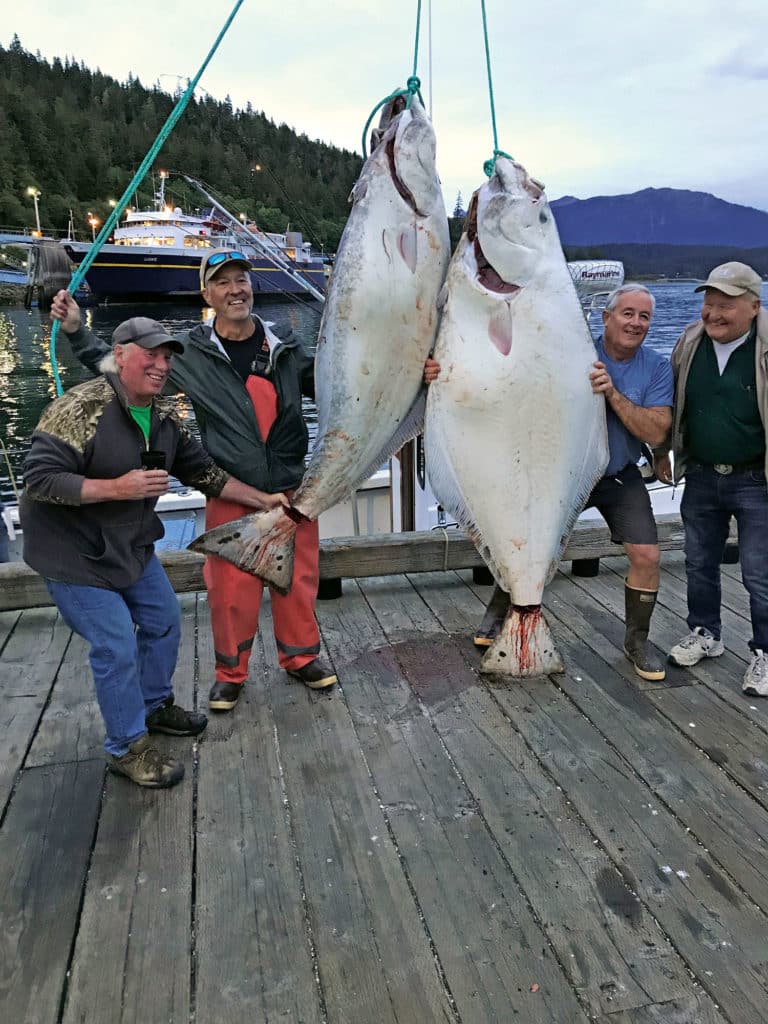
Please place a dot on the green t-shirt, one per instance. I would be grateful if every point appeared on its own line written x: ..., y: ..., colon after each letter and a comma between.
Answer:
x: 142, y: 414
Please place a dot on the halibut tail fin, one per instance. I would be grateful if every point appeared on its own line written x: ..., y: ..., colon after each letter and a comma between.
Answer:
x: 261, y: 544
x: 524, y: 647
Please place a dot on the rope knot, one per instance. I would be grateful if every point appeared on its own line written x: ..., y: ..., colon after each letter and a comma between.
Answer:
x: 488, y: 166
x: 414, y: 84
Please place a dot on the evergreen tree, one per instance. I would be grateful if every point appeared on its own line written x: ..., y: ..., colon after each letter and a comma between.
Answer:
x: 81, y: 134
x: 458, y: 209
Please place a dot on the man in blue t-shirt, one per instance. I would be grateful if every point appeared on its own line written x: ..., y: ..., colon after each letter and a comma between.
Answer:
x: 638, y: 388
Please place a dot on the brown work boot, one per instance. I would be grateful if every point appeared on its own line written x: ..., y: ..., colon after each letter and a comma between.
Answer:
x: 493, y: 619
x: 639, y: 605
x: 316, y: 675
x: 146, y: 766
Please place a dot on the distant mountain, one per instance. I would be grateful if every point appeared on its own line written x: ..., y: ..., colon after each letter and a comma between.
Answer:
x: 659, y: 216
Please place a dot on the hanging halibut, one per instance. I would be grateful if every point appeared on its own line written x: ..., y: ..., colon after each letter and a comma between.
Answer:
x: 377, y: 329
x: 515, y: 438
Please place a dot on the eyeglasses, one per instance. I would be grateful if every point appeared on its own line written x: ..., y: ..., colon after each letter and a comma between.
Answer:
x: 222, y: 257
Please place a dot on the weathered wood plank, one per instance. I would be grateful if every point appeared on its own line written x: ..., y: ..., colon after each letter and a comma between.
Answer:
x: 352, y: 557
x: 374, y: 959
x: 725, y: 820
x: 8, y: 622
x: 732, y: 733
x: 613, y: 956
x: 28, y: 667
x: 719, y: 932
x: 489, y: 945
x: 641, y: 837
x: 71, y: 727
x: 253, y: 953
x: 693, y: 1010
x: 45, y: 846
x: 137, y: 906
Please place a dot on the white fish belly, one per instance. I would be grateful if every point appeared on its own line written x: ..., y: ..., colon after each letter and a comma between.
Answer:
x: 517, y: 441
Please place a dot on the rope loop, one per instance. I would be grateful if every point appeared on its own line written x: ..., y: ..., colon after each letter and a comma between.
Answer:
x: 490, y: 165
x: 413, y: 86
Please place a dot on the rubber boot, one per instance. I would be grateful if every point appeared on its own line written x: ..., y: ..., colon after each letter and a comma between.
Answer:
x: 639, y: 605
x: 494, y: 616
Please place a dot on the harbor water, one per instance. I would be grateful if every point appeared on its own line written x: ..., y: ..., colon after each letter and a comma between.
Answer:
x: 26, y: 374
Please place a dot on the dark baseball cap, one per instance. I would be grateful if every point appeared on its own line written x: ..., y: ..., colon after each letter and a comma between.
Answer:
x: 140, y: 330
x: 218, y: 258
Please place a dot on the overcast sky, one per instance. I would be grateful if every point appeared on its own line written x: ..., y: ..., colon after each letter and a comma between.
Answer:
x: 597, y: 97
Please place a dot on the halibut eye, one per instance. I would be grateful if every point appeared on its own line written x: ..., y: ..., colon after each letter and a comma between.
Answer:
x: 543, y: 217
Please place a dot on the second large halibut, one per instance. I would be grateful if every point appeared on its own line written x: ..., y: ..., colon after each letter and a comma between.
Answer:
x: 515, y: 438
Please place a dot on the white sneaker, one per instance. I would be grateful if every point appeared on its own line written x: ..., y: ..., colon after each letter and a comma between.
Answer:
x: 697, y: 645
x: 756, y: 677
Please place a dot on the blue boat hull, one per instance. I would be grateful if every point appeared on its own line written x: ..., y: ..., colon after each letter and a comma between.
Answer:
x: 122, y: 273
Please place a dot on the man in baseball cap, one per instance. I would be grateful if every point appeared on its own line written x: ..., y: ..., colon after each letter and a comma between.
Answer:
x: 733, y: 279
x: 142, y: 331
x: 218, y: 258
x: 245, y: 379
x: 720, y: 440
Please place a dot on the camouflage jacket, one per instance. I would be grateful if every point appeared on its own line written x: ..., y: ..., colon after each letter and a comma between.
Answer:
x: 89, y: 433
x: 223, y: 407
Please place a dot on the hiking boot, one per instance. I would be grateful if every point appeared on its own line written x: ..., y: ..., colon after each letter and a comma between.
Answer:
x: 638, y: 609
x: 316, y: 675
x: 224, y: 696
x: 693, y: 648
x: 756, y: 677
x: 146, y: 766
x: 175, y: 721
x: 493, y: 619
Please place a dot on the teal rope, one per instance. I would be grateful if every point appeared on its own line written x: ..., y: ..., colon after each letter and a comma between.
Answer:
x: 114, y: 217
x: 489, y: 165
x: 413, y: 81
x: 413, y: 86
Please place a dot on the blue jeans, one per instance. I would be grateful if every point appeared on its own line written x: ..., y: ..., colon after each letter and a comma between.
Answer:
x: 132, y: 668
x: 709, y: 501
x: 4, y: 553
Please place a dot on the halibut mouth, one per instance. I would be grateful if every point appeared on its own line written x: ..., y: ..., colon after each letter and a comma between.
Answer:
x: 487, y: 275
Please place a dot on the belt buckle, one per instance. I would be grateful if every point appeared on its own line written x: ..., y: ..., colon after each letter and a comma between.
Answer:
x: 723, y: 468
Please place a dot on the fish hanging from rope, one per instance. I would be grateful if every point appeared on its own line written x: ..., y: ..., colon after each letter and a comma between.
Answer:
x: 378, y: 327
x: 515, y: 438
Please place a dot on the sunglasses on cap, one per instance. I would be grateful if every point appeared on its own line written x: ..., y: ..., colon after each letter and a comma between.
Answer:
x: 223, y: 257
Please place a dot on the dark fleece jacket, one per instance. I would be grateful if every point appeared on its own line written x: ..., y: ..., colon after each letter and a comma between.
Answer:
x: 89, y: 433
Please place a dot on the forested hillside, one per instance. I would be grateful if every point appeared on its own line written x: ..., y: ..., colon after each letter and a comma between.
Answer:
x: 78, y: 136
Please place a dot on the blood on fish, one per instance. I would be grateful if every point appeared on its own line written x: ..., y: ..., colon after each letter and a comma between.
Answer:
x: 529, y: 617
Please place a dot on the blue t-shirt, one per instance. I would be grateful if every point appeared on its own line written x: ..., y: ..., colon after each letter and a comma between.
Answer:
x: 646, y: 380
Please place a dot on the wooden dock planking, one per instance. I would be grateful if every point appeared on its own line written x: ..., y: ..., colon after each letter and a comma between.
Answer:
x: 490, y: 947
x: 518, y: 870
x: 136, y: 906
x: 29, y: 661
x: 374, y: 958
x: 253, y: 952
x: 611, y: 955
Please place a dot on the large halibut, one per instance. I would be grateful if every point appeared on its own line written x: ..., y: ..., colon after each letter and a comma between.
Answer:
x: 377, y: 329
x: 515, y: 438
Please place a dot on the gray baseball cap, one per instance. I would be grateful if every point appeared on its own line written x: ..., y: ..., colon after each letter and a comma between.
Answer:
x: 140, y: 330
x: 733, y: 279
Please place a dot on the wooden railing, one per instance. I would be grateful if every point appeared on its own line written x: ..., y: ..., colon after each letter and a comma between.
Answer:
x: 355, y: 557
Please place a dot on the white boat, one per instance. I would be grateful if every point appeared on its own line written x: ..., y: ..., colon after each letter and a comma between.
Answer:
x: 156, y: 254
